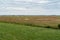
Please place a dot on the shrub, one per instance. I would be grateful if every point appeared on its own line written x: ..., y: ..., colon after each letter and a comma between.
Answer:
x: 59, y: 26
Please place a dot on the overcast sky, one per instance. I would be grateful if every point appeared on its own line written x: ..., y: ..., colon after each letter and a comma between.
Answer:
x: 29, y: 7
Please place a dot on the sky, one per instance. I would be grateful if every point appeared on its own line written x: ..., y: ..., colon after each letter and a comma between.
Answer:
x: 29, y: 7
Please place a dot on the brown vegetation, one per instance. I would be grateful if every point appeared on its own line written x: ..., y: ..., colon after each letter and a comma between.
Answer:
x: 52, y: 21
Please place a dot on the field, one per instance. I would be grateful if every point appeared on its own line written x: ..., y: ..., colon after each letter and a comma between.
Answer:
x: 42, y: 21
x: 29, y: 28
x: 10, y: 31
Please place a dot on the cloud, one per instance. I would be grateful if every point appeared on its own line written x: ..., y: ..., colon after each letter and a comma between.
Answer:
x: 24, y: 0
x: 43, y: 2
x: 35, y: 1
x: 21, y: 11
x: 20, y: 8
x: 15, y: 8
x: 29, y: 7
x: 40, y: 1
x: 16, y: 11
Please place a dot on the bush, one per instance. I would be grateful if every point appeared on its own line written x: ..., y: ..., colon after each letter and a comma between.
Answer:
x: 59, y: 26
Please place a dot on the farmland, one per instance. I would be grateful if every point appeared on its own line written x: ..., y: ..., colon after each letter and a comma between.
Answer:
x: 44, y: 21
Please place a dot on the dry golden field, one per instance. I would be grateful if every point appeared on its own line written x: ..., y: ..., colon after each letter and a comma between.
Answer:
x: 52, y: 21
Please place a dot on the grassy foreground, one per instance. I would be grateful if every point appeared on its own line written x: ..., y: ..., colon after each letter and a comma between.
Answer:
x: 10, y: 31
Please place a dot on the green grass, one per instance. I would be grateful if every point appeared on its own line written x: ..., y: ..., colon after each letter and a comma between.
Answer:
x: 10, y: 31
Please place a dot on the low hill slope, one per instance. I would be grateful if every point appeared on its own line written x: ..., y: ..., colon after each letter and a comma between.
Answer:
x: 10, y: 31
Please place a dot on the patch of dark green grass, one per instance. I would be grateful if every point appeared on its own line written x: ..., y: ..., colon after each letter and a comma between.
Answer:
x: 48, y: 27
x: 33, y: 25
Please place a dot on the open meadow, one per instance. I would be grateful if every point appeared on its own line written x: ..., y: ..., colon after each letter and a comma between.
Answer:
x: 10, y: 31
x: 29, y: 28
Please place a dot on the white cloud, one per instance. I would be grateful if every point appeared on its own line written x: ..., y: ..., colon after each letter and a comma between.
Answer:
x: 43, y: 2
x: 25, y: 11
x: 21, y: 8
x: 36, y: 1
x: 40, y: 1
x: 24, y: 0
x: 21, y: 11
x: 15, y: 8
